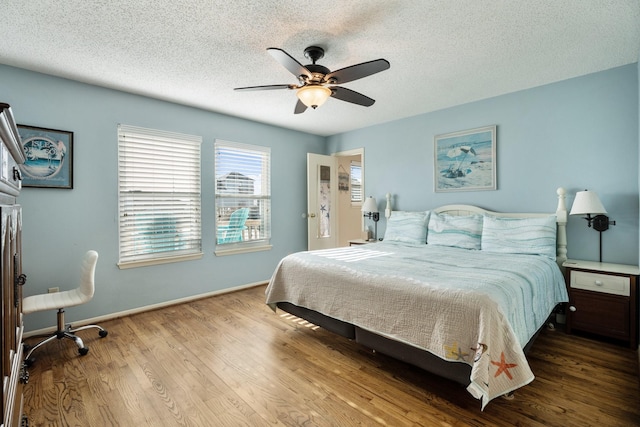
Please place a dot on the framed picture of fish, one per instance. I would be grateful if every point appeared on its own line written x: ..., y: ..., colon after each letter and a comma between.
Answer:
x: 49, y: 157
x: 465, y: 160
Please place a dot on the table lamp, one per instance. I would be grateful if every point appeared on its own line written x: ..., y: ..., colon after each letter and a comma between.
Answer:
x: 587, y: 203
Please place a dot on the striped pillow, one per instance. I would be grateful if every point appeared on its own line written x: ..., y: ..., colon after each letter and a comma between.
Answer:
x: 407, y: 227
x: 535, y: 236
x: 452, y: 230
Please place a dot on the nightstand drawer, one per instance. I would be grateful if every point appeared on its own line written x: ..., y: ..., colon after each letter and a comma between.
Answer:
x: 616, y: 285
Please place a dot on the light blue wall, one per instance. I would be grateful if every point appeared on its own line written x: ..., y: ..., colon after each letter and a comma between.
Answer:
x: 578, y: 133
x: 60, y: 225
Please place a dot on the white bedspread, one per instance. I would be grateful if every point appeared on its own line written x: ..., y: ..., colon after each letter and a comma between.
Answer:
x: 464, y: 306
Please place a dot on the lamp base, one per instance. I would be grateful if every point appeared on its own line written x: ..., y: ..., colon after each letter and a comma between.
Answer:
x: 600, y: 223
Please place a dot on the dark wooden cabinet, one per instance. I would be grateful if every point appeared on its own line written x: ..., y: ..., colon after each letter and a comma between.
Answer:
x: 11, y: 328
x: 603, y: 299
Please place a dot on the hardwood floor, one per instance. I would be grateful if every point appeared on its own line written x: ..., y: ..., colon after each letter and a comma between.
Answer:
x: 230, y: 361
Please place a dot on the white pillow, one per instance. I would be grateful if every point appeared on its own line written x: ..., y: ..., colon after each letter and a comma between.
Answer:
x: 407, y: 227
x: 463, y: 231
x: 535, y: 236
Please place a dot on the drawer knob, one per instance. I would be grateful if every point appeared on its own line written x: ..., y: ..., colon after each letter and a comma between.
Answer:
x: 572, y: 308
x: 598, y: 283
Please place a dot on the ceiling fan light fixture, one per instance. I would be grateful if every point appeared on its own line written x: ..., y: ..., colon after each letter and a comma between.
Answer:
x: 313, y: 95
x: 316, y: 83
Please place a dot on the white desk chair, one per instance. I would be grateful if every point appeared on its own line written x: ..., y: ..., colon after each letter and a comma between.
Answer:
x: 59, y: 300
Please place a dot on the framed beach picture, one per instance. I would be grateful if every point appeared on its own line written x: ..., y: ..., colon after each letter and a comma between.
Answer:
x: 49, y: 157
x: 343, y: 180
x: 465, y: 160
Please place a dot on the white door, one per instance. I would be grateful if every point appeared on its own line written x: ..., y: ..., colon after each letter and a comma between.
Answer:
x: 322, y: 208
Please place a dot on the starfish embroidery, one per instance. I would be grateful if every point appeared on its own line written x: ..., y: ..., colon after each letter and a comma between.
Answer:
x: 323, y: 208
x: 503, y: 366
x: 455, y: 352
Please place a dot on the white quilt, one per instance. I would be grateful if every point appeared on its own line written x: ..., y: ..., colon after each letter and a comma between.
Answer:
x: 464, y: 306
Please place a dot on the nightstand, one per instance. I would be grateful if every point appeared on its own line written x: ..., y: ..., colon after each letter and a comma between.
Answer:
x: 603, y: 299
x: 355, y: 242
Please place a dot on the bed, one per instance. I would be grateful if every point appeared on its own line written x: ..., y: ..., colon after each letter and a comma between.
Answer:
x: 459, y: 291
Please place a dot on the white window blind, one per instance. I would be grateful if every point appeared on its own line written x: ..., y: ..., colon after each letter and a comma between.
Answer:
x: 356, y: 182
x: 158, y: 195
x: 243, y: 186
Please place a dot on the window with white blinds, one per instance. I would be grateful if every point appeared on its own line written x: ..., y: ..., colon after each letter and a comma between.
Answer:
x: 158, y: 196
x: 356, y: 182
x: 243, y: 196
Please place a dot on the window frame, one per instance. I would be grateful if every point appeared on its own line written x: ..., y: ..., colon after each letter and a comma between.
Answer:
x: 171, y: 189
x: 263, y: 199
x: 357, y: 164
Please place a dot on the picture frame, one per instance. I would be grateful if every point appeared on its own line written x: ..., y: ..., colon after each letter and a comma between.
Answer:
x: 465, y: 160
x: 49, y: 157
x: 343, y: 181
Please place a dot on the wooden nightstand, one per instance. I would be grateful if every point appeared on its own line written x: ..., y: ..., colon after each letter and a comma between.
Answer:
x: 355, y: 242
x: 603, y: 299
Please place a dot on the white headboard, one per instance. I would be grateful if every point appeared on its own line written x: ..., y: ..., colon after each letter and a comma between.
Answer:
x: 561, y: 219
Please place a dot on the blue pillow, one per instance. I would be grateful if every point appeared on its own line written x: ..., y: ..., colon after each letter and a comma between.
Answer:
x: 407, y: 227
x: 462, y: 231
x: 535, y: 236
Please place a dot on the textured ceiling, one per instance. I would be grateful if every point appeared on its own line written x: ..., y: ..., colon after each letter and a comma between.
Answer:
x: 442, y: 52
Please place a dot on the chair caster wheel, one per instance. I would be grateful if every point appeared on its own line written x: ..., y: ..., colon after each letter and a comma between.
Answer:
x: 103, y: 333
x: 83, y: 351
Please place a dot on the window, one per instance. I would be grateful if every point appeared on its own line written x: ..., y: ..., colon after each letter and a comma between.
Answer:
x: 243, y: 197
x: 356, y: 182
x: 158, y: 196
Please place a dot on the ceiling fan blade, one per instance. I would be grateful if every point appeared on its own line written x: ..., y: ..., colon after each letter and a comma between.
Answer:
x: 300, y: 108
x: 358, y: 71
x: 267, y: 87
x: 348, y: 95
x: 289, y: 62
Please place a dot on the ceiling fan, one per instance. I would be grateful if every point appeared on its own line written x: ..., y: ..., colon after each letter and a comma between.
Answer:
x: 316, y: 82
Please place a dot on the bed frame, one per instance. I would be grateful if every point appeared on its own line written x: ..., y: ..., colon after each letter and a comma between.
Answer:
x: 458, y: 372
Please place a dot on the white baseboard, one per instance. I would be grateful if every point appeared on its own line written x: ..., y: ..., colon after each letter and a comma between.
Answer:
x: 124, y: 313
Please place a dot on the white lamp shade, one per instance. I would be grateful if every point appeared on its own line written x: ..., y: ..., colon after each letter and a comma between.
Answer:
x: 370, y: 205
x: 587, y: 202
x: 313, y: 95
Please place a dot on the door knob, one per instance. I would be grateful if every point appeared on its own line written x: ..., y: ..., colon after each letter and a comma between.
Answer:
x: 312, y: 215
